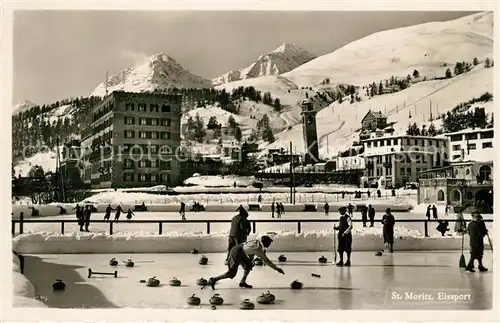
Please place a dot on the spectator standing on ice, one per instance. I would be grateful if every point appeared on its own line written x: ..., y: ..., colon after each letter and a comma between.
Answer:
x: 393, y: 191
x: 379, y: 193
x: 447, y: 208
x: 477, y: 231
x: 350, y: 208
x: 371, y: 215
x: 79, y: 216
x: 388, y: 222
x: 368, y: 193
x: 259, y: 199
x: 119, y: 211
x: 182, y: 211
x: 239, y: 231
x: 129, y: 214
x: 364, y: 215
x: 278, y: 210
x: 434, y: 212
x: 344, y: 237
x: 87, y: 214
x: 272, y: 209
x: 107, y: 213
x: 326, y: 207
x: 282, y: 208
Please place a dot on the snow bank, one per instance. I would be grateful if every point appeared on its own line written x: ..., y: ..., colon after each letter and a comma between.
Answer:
x: 219, y: 181
x: 23, y: 291
x: 365, y: 239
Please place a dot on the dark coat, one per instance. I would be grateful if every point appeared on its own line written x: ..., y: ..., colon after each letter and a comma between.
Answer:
x: 240, y: 227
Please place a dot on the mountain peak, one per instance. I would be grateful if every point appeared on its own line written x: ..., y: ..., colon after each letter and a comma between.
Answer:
x: 22, y: 106
x: 160, y: 71
x: 285, y: 58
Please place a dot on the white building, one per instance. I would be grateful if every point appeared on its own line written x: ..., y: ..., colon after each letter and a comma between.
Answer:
x: 399, y: 158
x: 467, y: 144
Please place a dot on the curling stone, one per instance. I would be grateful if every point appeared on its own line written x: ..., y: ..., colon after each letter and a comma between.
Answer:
x: 264, y: 299
x: 113, y: 262
x: 247, y: 305
x: 258, y: 262
x: 153, y: 282
x: 193, y: 300
x: 270, y: 296
x: 296, y: 285
x: 203, y: 260
x: 216, y: 300
x: 129, y: 263
x: 379, y: 253
x: 201, y: 282
x: 174, y: 282
x: 194, y: 251
x: 282, y: 258
x: 59, y: 285
x: 142, y: 281
x: 322, y: 260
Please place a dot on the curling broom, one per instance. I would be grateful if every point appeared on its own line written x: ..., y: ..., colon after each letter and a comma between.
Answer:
x: 462, y: 263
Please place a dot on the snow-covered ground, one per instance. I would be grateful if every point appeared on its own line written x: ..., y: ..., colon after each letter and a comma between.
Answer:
x: 219, y: 181
x: 46, y: 159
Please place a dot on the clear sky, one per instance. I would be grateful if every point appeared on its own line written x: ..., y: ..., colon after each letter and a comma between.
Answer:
x: 63, y: 54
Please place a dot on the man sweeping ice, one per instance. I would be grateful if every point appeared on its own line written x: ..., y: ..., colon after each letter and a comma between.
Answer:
x: 242, y: 254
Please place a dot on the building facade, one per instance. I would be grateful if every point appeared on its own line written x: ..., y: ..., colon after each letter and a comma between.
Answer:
x: 132, y: 140
x: 398, y: 159
x: 462, y: 184
x: 470, y: 142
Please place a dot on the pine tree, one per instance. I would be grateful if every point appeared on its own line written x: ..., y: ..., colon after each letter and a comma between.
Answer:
x: 475, y: 61
x: 432, y: 130
x: 448, y: 73
x: 277, y: 104
x: 416, y: 74
x: 267, y: 135
x: 212, y: 123
x: 380, y: 88
x: 237, y: 134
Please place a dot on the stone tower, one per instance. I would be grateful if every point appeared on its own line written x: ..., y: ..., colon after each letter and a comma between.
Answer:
x: 309, y: 132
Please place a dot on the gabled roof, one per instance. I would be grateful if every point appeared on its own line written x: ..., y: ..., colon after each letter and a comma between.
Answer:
x: 377, y: 115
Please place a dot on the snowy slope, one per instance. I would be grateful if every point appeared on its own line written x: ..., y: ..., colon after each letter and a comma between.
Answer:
x: 339, y: 122
x: 159, y: 72
x: 281, y: 60
x: 399, y: 51
x: 45, y: 159
x: 22, y: 106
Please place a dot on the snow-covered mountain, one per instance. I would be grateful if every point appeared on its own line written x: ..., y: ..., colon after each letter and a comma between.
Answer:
x: 22, y: 106
x: 159, y: 72
x: 281, y: 60
x: 430, y: 48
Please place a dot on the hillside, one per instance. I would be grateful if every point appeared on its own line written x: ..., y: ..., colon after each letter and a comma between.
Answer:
x: 281, y: 60
x: 25, y: 105
x: 159, y: 72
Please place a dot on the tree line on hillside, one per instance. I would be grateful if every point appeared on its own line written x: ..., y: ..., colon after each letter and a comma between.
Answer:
x: 464, y: 67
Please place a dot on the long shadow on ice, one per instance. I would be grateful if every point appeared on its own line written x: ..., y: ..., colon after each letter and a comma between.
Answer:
x: 78, y: 293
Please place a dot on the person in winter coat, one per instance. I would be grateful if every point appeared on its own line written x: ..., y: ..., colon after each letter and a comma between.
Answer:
x: 129, y: 214
x: 272, y: 209
x: 460, y: 224
x: 107, y: 213
x: 477, y: 231
x: 344, y: 235
x: 182, y: 210
x: 428, y: 212
x: 388, y: 222
x: 79, y: 216
x: 364, y: 215
x: 119, y: 211
x: 240, y: 229
x: 371, y: 215
x: 87, y: 213
x: 350, y: 208
x: 326, y: 207
x: 434, y: 212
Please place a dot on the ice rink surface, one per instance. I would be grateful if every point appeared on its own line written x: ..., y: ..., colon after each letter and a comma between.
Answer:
x: 405, y: 280
x: 224, y: 227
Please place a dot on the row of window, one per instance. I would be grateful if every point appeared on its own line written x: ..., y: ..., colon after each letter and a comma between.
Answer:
x: 405, y: 141
x: 148, y: 134
x: 401, y: 158
x: 143, y: 107
x: 131, y: 177
x: 102, y: 111
x: 472, y: 136
x: 149, y: 121
x: 146, y: 163
x: 144, y: 149
x: 473, y: 146
x: 103, y: 125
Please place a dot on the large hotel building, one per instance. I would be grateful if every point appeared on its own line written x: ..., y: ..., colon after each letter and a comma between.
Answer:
x: 131, y: 140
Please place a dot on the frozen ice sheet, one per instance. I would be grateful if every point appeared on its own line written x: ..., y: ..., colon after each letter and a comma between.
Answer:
x: 371, y: 283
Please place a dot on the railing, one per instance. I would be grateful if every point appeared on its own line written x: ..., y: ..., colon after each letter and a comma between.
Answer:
x: 160, y: 223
